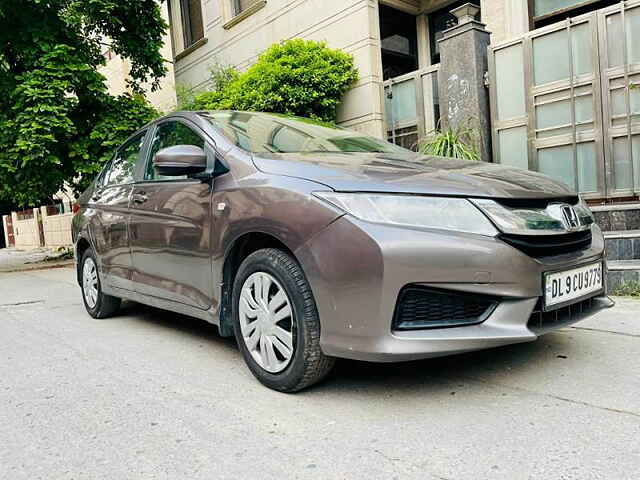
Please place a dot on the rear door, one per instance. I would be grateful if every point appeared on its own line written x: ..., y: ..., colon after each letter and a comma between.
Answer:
x: 171, y: 225
x: 110, y: 205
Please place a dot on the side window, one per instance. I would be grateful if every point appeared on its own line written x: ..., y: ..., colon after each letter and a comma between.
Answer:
x: 101, y: 179
x: 169, y: 134
x: 123, y: 164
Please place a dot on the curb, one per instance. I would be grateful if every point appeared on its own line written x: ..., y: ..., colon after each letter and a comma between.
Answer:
x: 47, y: 265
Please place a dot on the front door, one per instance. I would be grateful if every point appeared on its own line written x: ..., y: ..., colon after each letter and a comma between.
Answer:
x: 170, y: 226
x: 109, y: 223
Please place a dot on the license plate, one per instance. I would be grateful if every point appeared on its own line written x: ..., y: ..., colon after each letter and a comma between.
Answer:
x: 563, y: 287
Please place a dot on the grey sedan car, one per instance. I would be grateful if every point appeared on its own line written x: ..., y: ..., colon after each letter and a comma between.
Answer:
x: 310, y: 242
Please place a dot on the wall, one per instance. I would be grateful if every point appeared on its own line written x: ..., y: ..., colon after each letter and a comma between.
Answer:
x: 26, y: 232
x: 57, y: 228
x: 350, y: 25
x: 505, y: 19
x: 54, y: 229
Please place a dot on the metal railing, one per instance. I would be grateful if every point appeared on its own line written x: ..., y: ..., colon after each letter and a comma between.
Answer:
x: 411, y: 106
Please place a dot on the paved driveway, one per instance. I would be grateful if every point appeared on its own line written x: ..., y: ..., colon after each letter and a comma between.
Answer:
x: 150, y: 394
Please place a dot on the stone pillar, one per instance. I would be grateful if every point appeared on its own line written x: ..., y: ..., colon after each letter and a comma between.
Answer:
x: 464, y: 98
x: 5, y: 221
x: 42, y: 223
x: 38, y: 233
x: 14, y: 221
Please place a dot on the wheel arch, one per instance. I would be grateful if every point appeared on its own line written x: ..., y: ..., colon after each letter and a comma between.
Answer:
x: 241, y: 248
x: 82, y: 245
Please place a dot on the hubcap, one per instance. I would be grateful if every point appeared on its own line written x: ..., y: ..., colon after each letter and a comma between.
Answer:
x: 90, y: 282
x: 266, y: 322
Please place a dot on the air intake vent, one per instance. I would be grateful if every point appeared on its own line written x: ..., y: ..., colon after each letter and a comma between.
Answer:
x: 422, y: 308
x: 548, y: 245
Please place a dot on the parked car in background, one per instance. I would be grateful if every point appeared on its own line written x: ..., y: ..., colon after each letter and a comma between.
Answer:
x: 309, y: 242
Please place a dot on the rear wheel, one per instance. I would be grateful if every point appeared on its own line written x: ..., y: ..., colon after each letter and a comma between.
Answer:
x: 276, y: 322
x: 97, y: 303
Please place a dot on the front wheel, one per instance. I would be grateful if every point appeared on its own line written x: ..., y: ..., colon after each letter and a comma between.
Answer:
x: 276, y: 322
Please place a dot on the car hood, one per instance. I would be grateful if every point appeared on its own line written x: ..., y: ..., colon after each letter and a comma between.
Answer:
x: 412, y: 173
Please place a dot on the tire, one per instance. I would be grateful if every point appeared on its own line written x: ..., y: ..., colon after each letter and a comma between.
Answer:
x: 97, y: 303
x: 306, y: 364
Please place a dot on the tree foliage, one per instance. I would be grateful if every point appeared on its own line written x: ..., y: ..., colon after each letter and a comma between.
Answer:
x: 57, y: 122
x: 295, y: 77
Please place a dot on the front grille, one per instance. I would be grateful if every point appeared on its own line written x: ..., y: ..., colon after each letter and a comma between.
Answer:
x: 548, y: 245
x: 540, y: 319
x: 421, y: 308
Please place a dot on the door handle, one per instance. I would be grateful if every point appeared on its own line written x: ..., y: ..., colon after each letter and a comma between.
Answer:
x: 140, y: 197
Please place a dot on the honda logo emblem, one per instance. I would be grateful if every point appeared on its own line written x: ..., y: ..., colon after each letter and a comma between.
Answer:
x: 566, y: 214
x: 570, y: 217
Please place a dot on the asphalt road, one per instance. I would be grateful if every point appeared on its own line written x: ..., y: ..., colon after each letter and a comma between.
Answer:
x: 150, y: 394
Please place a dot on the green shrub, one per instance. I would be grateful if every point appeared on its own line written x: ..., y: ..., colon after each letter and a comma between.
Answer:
x: 630, y: 289
x: 457, y: 142
x: 295, y: 77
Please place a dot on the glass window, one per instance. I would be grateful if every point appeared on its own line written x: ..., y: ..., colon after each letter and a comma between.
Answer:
x: 272, y: 133
x: 551, y: 57
x: 511, y: 96
x: 547, y: 7
x: 192, y: 26
x: 548, y: 12
x: 512, y: 145
x: 399, y: 39
x: 123, y: 164
x: 166, y: 135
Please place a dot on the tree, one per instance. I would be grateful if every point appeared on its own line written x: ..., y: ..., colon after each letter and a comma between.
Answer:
x: 57, y: 122
x: 295, y: 77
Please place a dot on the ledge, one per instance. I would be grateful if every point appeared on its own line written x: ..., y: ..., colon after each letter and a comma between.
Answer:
x: 191, y: 49
x: 618, y: 234
x: 614, y: 207
x: 623, y: 265
x: 248, y: 12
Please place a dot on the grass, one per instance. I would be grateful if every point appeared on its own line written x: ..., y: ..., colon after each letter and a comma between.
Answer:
x: 630, y: 289
x: 62, y: 253
x: 457, y: 142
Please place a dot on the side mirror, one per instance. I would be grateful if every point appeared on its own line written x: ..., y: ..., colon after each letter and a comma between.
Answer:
x: 180, y: 160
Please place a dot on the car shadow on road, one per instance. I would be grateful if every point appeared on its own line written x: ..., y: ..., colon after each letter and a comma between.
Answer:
x: 507, y: 364
x: 483, y: 366
x: 188, y: 326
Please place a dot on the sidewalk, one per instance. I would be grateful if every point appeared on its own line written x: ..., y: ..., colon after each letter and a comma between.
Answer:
x: 14, y: 259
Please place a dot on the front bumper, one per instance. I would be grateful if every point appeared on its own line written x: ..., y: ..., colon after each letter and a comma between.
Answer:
x: 357, y: 270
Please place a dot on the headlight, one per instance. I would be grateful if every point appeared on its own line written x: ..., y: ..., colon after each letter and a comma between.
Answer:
x: 455, y: 214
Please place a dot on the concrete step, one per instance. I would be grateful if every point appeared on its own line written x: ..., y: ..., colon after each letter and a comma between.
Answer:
x: 622, y: 271
x: 622, y: 244
x: 619, y: 216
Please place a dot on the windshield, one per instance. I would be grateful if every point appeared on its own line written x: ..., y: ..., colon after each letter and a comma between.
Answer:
x: 272, y: 133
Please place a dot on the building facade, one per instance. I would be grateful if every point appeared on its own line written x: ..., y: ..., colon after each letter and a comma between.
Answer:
x: 399, y: 96
x: 116, y: 71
